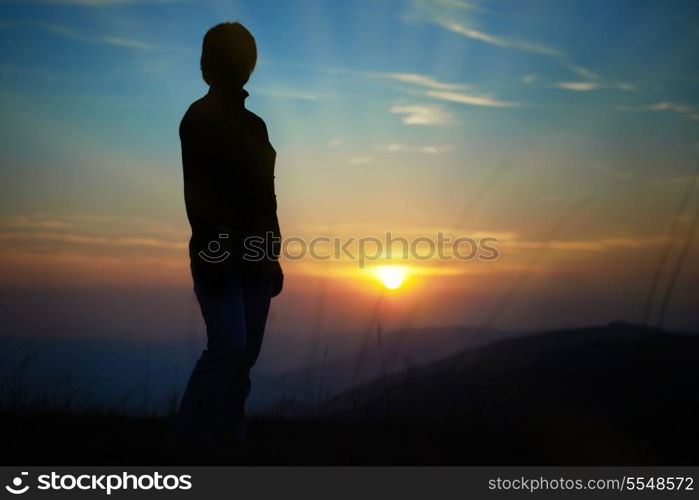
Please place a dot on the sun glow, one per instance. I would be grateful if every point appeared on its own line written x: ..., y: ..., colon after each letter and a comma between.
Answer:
x: 392, y: 277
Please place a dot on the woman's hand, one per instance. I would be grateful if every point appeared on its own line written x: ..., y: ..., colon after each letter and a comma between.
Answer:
x: 277, y: 279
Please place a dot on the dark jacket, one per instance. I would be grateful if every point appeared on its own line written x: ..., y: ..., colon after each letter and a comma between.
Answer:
x: 228, y: 166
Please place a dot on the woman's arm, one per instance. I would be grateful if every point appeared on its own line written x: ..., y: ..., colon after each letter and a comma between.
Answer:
x: 207, y: 173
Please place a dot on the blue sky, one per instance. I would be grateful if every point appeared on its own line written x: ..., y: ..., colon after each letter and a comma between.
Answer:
x: 386, y: 115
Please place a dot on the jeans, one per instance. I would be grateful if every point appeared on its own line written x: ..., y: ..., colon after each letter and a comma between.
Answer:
x: 234, y: 304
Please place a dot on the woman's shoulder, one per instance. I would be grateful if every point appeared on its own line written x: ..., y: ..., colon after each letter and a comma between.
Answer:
x: 257, y: 121
x: 196, y: 114
x: 196, y: 111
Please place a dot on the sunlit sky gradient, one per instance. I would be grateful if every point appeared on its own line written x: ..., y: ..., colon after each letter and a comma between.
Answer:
x: 386, y: 116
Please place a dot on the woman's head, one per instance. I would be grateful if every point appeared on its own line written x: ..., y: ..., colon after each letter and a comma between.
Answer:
x: 228, y: 55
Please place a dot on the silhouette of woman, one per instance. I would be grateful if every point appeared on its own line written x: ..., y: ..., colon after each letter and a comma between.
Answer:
x: 228, y: 167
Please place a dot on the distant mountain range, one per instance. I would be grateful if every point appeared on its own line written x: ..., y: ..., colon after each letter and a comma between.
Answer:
x: 624, y: 388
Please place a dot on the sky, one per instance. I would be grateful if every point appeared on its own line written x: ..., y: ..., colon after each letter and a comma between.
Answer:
x: 566, y: 130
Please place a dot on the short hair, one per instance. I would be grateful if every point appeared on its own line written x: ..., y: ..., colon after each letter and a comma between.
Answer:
x: 228, y: 55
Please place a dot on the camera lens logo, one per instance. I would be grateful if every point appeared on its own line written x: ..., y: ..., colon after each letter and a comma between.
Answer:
x: 16, y: 487
x: 215, y: 247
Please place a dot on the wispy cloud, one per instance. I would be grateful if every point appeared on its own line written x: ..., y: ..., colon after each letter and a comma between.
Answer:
x: 433, y: 88
x: 583, y: 72
x: 457, y: 4
x: 670, y: 106
x: 418, y: 79
x: 446, y: 91
x: 590, y: 245
x: 473, y: 100
x: 81, y: 239
x: 96, y: 3
x: 68, y: 32
x: 404, y: 148
x: 443, y: 13
x: 577, y: 86
x: 104, y: 39
x: 92, y: 224
x: 423, y: 115
x: 588, y: 86
x: 28, y: 222
x: 664, y: 106
x: 506, y: 43
x: 496, y: 40
x: 36, y: 230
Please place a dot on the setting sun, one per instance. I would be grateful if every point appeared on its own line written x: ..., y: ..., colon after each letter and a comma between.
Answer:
x: 392, y: 277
